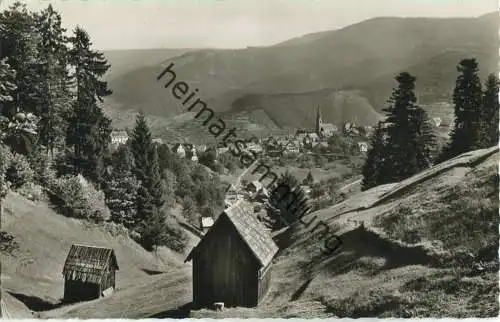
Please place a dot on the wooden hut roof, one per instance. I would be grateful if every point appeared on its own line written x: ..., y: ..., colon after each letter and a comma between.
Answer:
x: 88, y: 263
x: 251, y: 230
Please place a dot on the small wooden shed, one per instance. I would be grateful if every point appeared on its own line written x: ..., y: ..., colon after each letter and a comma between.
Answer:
x: 232, y: 263
x: 89, y: 273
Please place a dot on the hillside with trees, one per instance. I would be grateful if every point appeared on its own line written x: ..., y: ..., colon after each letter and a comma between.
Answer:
x: 56, y: 143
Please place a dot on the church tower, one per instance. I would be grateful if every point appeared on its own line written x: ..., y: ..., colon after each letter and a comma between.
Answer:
x: 319, y: 122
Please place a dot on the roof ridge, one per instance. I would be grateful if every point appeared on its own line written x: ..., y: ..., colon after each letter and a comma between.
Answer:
x: 92, y: 246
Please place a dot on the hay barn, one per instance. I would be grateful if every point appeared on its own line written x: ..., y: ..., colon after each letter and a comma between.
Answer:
x: 232, y: 263
x: 89, y: 273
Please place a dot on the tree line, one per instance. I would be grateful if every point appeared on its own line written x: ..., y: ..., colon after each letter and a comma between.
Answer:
x: 404, y: 143
x: 51, y: 94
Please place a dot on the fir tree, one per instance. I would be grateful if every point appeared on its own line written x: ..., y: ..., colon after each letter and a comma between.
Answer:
x: 153, y: 180
x: 154, y: 232
x: 55, y: 96
x: 123, y: 159
x: 19, y: 41
x: 89, y: 130
x: 375, y: 161
x: 425, y: 140
x: 146, y: 167
x: 489, y: 113
x: 141, y: 145
x: 400, y: 149
x: 467, y: 99
x: 121, y: 189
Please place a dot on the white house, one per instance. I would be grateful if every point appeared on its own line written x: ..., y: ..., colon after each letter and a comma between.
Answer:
x: 179, y: 150
x: 201, y: 148
x: 329, y: 129
x: 437, y: 121
x: 119, y: 137
x: 157, y: 140
x: 291, y: 147
x: 363, y: 146
x: 221, y: 150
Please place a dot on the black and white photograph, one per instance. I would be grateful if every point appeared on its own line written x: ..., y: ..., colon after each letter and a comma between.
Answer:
x: 215, y: 159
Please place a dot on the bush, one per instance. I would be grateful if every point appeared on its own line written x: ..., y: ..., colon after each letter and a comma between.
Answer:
x: 190, y: 210
x: 175, y: 239
x: 32, y: 192
x: 18, y: 171
x: 4, y: 184
x: 39, y: 162
x: 74, y: 197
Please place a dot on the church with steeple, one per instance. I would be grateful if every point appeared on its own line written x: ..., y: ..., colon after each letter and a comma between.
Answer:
x: 324, y: 129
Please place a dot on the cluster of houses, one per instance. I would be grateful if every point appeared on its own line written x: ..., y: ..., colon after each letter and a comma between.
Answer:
x: 301, y: 141
x: 313, y: 139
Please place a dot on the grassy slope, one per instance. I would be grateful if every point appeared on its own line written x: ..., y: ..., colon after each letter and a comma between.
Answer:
x: 377, y: 275
x: 33, y: 274
x: 366, y: 278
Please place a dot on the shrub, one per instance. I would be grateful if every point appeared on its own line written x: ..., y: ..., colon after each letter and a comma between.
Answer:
x: 73, y: 196
x: 189, y: 209
x: 39, y: 162
x: 4, y: 184
x: 32, y: 191
x: 175, y: 239
x: 18, y: 171
x: 7, y: 243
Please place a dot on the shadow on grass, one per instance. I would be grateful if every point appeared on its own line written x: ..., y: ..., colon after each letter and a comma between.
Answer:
x: 301, y: 290
x: 180, y: 312
x: 35, y: 303
x: 152, y: 272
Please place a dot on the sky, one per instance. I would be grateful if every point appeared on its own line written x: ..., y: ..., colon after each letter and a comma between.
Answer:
x: 128, y: 24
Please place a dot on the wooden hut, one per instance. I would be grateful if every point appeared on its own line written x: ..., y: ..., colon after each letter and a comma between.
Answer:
x: 89, y: 272
x: 232, y: 263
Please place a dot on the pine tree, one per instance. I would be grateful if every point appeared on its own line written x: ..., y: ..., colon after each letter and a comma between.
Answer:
x: 19, y: 41
x: 425, y: 139
x: 55, y: 96
x: 400, y: 147
x: 154, y: 182
x: 141, y: 145
x: 146, y: 167
x: 121, y: 189
x: 489, y: 115
x: 375, y: 161
x: 154, y: 232
x: 89, y: 130
x: 123, y: 159
x: 467, y: 99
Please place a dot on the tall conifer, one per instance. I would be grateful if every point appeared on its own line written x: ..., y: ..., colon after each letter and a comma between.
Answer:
x: 400, y: 149
x: 467, y: 97
x: 89, y: 130
x: 489, y: 113
x: 375, y: 160
x: 55, y: 95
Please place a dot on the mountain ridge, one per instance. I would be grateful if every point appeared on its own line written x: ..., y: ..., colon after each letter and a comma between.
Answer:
x: 362, y: 58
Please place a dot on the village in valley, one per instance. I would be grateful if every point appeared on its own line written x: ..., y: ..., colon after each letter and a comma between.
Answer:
x: 372, y: 189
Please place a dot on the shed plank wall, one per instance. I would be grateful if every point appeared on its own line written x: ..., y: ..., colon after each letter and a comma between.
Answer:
x: 264, y: 283
x: 224, y: 270
x: 80, y: 291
